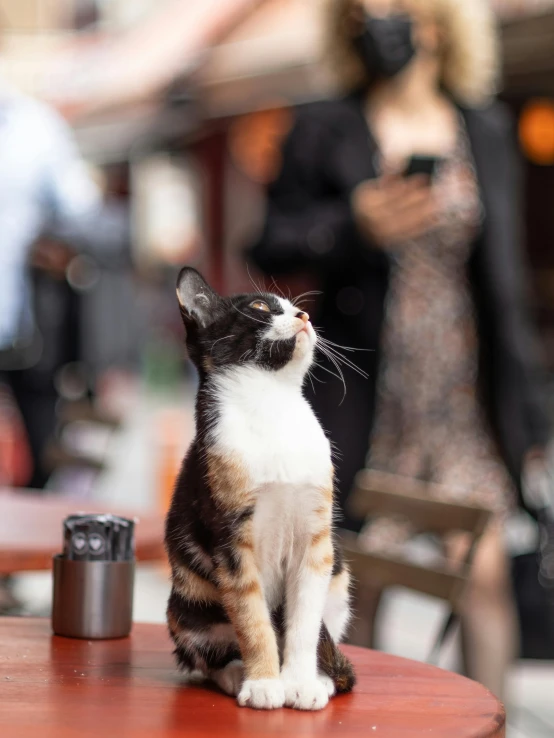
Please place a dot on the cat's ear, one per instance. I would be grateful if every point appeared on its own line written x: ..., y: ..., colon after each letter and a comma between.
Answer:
x: 199, y: 303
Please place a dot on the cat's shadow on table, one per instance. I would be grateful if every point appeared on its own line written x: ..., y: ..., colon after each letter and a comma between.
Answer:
x: 231, y: 719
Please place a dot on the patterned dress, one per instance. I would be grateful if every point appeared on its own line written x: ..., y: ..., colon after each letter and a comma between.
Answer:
x: 429, y: 422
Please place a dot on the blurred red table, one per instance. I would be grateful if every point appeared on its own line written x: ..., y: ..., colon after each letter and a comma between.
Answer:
x: 56, y: 687
x: 31, y: 529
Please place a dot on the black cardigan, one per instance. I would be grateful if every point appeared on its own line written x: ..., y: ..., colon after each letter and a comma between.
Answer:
x: 310, y: 227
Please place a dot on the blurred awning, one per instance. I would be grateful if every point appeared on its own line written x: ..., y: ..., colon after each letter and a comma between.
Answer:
x: 94, y: 73
x: 521, y: 8
x: 114, y: 89
x: 273, y: 55
x: 118, y: 134
x: 528, y: 48
x: 236, y: 55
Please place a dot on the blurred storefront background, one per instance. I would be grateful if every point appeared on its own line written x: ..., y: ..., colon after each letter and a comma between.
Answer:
x: 181, y: 106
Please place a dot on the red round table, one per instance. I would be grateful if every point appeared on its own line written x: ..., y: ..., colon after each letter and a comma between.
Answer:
x: 52, y: 687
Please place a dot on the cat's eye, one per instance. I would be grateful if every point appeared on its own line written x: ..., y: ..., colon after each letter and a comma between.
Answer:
x: 260, y: 305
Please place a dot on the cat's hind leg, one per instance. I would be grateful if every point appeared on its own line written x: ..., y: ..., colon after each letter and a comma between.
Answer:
x: 336, y: 614
x: 230, y: 678
x: 205, y: 641
x: 334, y: 669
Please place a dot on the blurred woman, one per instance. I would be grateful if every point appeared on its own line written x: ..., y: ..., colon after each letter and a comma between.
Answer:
x: 426, y: 270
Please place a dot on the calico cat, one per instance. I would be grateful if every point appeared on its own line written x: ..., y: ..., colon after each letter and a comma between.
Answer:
x: 259, y: 593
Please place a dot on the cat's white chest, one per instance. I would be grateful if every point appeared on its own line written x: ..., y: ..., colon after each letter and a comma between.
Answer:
x: 283, y: 524
x: 273, y: 430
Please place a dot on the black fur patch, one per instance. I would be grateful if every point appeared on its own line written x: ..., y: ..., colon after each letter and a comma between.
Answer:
x: 332, y: 661
x: 338, y: 557
x: 198, y: 616
x: 185, y: 658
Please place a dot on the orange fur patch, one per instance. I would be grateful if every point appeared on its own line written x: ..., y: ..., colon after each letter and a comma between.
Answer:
x: 328, y: 493
x: 229, y: 482
x: 256, y: 637
x: 193, y: 587
x: 244, y: 602
x: 319, y: 536
x: 173, y: 623
x: 320, y: 554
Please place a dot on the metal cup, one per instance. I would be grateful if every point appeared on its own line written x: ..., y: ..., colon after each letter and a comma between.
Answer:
x: 92, y: 599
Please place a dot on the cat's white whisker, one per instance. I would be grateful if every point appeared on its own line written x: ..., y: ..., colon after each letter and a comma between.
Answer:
x: 329, y: 350
x: 296, y: 300
x: 309, y: 375
x: 326, y: 369
x: 340, y: 346
x: 279, y: 290
x: 217, y: 341
x: 349, y: 364
x: 244, y: 355
x: 256, y: 287
x: 333, y: 360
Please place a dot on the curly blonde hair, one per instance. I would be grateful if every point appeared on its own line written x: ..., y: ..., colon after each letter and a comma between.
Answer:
x: 470, y: 63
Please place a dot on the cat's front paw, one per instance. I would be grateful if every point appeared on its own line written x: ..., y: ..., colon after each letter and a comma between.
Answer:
x: 327, y: 683
x: 309, y: 694
x: 262, y: 694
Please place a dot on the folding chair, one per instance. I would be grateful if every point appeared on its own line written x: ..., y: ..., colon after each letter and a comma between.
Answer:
x: 375, y: 494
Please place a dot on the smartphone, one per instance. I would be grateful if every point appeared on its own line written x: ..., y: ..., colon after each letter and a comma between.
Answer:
x: 426, y: 165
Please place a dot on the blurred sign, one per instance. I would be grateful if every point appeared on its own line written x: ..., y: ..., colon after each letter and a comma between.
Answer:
x: 255, y: 142
x: 166, y: 209
x: 35, y: 15
x: 536, y: 131
x: 16, y: 464
x: 510, y: 8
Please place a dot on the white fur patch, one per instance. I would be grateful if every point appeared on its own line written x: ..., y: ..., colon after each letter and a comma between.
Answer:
x: 262, y: 694
x: 288, y: 325
x: 284, y: 523
x: 337, y: 607
x: 265, y: 421
x: 307, y: 694
x: 327, y: 683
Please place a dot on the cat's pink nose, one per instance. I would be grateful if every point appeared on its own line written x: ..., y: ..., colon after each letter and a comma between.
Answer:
x: 303, y: 316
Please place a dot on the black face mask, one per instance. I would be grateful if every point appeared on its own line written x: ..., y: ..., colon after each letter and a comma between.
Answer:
x: 385, y: 45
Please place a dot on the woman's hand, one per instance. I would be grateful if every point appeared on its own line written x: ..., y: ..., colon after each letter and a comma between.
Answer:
x: 393, y: 209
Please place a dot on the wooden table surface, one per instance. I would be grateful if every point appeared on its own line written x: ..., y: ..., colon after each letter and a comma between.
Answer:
x: 31, y: 529
x: 52, y: 687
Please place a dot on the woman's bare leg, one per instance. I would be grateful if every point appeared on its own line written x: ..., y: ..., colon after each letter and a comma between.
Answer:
x: 490, y: 635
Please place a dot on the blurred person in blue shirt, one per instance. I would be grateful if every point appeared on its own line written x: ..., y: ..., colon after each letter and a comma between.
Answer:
x: 42, y: 178
x: 45, y: 189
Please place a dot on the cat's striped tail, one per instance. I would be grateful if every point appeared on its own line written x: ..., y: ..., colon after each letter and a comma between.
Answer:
x: 333, y: 662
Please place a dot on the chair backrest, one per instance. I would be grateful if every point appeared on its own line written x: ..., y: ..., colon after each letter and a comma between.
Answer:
x: 376, y: 493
